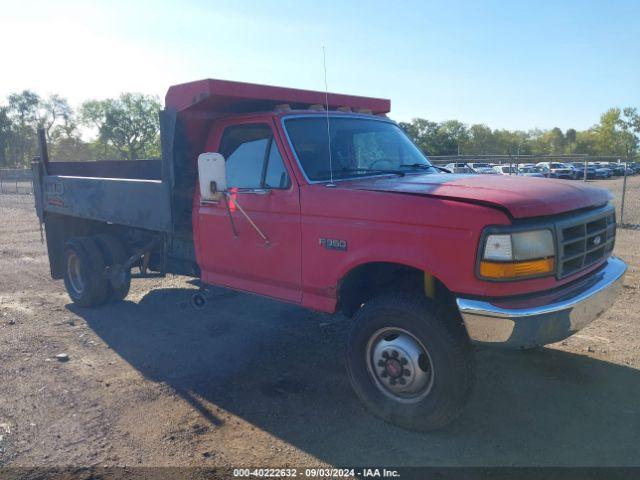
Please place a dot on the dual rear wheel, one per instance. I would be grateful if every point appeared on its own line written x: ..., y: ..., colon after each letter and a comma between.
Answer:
x: 93, y: 270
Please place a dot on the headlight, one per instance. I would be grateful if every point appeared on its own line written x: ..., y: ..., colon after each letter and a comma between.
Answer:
x: 518, y: 254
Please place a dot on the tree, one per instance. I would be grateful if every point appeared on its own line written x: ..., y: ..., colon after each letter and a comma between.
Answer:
x: 130, y: 124
x: 57, y: 118
x: 6, y: 136
x: 586, y: 143
x: 570, y: 136
x: 631, y: 126
x: 509, y: 142
x: 556, y: 140
x: 481, y: 140
x: 549, y: 141
x: 23, y: 108
x: 452, y: 136
x: 423, y: 133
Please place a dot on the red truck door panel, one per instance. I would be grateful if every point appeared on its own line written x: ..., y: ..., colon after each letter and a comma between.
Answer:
x: 264, y: 188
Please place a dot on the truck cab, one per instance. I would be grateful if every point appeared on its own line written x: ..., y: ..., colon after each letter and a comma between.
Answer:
x: 320, y: 200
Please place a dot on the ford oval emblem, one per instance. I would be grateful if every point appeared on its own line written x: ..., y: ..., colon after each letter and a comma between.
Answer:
x: 597, y: 240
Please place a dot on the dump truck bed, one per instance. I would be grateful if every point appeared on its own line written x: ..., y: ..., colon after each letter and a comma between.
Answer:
x: 130, y: 193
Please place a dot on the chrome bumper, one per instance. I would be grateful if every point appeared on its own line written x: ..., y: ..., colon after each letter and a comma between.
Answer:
x: 546, y: 317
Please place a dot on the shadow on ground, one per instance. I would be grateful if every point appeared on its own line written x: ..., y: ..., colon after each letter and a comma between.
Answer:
x: 280, y: 368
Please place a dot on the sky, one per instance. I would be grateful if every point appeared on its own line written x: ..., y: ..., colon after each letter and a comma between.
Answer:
x: 516, y: 64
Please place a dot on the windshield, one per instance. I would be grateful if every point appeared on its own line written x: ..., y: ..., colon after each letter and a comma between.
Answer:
x: 359, y: 147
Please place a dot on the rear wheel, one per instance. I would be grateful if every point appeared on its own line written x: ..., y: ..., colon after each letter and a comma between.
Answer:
x: 84, y: 273
x: 115, y: 256
x: 409, y: 363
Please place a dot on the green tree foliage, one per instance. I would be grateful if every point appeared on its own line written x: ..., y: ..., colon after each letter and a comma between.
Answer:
x: 23, y: 109
x: 481, y: 140
x: 446, y: 138
x: 127, y: 127
x: 6, y: 137
x: 129, y: 124
x: 617, y: 133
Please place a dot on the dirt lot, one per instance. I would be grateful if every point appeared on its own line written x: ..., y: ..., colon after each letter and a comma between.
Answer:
x: 252, y: 382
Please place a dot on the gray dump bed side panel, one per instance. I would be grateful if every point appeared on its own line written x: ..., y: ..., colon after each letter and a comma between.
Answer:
x: 137, y: 203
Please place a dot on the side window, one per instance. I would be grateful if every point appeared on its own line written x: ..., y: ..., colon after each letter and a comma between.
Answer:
x: 276, y: 175
x: 252, y: 158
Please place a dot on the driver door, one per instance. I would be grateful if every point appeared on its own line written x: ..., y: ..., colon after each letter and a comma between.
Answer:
x: 261, y: 184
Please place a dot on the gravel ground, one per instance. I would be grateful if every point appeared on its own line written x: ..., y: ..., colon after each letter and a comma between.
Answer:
x: 253, y: 382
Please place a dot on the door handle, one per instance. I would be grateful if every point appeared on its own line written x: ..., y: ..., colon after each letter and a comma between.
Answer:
x: 256, y: 191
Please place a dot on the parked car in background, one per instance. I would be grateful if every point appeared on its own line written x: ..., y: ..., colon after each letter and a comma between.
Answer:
x: 532, y: 166
x: 601, y: 170
x: 617, y: 168
x: 505, y: 170
x: 633, y: 167
x: 591, y: 170
x: 577, y: 172
x: 557, y: 170
x: 524, y: 171
x: 483, y: 168
x: 531, y: 171
x: 459, y: 167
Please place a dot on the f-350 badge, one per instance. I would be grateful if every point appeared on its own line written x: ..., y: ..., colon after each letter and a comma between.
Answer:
x: 333, y: 244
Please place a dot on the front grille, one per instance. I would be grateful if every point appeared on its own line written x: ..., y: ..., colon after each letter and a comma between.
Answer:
x: 584, y: 241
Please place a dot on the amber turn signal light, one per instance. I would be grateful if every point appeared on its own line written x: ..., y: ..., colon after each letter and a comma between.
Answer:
x: 505, y: 270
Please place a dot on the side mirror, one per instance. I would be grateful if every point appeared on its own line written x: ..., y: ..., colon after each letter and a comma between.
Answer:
x: 212, y: 174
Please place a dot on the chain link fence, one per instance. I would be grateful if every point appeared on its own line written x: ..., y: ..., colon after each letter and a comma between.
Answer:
x: 16, y: 187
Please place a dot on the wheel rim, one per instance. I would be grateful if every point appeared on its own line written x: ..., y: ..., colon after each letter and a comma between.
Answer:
x: 399, y: 364
x: 74, y: 273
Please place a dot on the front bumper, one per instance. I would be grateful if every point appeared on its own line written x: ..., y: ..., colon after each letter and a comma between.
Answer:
x: 545, y: 317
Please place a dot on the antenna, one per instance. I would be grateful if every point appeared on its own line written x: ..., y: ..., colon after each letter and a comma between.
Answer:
x: 326, y: 101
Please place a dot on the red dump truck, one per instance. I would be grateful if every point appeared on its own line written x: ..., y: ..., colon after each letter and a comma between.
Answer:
x: 320, y: 200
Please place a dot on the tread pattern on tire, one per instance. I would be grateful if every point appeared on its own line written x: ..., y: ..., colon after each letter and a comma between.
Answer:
x: 452, y: 343
x: 114, y: 253
x: 93, y: 266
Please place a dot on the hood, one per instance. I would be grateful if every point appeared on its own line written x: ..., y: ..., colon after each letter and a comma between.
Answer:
x: 521, y: 196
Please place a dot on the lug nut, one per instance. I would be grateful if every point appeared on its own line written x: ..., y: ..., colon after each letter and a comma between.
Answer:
x: 385, y: 355
x: 384, y: 374
x: 402, y: 381
x: 406, y: 372
x: 381, y: 363
x: 403, y: 361
x: 394, y: 353
x: 392, y: 381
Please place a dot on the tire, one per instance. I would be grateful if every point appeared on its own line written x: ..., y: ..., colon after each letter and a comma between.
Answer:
x: 449, y: 364
x: 114, y: 253
x: 84, y: 272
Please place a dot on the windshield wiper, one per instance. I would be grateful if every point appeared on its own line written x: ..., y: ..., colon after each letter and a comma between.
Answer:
x: 422, y: 166
x: 367, y: 170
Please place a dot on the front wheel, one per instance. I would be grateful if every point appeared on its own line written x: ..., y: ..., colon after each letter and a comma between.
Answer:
x: 409, y: 363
